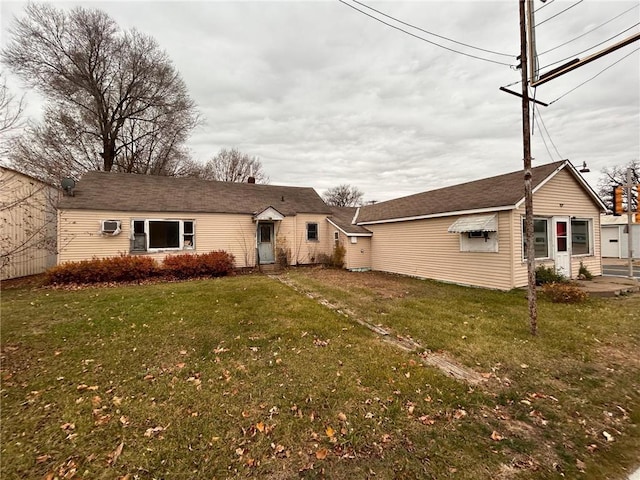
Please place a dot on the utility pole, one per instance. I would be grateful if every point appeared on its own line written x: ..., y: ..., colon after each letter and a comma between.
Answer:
x: 528, y: 193
x: 629, y: 188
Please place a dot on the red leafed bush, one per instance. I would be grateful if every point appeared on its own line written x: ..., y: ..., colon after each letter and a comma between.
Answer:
x: 564, y: 293
x: 212, y: 264
x: 124, y: 268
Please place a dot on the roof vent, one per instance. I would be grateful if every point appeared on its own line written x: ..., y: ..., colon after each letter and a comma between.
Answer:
x: 251, y: 180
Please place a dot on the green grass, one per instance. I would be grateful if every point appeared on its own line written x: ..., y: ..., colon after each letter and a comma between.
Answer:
x: 243, y: 377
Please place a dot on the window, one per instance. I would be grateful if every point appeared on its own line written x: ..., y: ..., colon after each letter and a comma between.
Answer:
x: 540, y: 238
x: 149, y: 235
x: 312, y: 232
x: 336, y: 237
x: 580, y: 237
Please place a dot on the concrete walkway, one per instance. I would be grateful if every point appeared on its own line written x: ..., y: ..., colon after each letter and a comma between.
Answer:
x: 607, y: 286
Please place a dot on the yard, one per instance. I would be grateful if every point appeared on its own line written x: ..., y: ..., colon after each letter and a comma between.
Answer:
x: 248, y: 377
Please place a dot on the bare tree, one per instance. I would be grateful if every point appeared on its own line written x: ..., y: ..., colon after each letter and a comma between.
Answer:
x: 115, y: 101
x: 231, y: 166
x: 11, y: 109
x: 343, y: 195
x: 617, y: 176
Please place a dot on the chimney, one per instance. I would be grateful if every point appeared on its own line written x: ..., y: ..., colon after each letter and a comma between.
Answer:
x: 251, y: 180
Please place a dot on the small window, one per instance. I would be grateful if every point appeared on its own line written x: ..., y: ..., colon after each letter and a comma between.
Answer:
x: 139, y: 237
x: 476, y: 234
x: 540, y: 238
x: 188, y: 234
x: 580, y: 237
x: 336, y: 237
x: 312, y: 232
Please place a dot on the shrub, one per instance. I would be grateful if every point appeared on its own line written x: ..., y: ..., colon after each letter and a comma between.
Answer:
x: 546, y: 275
x: 124, y: 268
x: 337, y: 257
x: 212, y: 264
x: 584, y: 273
x: 564, y: 293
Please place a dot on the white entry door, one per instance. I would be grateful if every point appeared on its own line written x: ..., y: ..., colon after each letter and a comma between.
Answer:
x: 562, y: 245
x: 265, y: 243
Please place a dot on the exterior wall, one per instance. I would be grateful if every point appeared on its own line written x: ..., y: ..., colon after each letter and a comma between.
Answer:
x: 358, y: 256
x: 79, y: 235
x: 424, y: 248
x: 561, y: 196
x: 27, y: 225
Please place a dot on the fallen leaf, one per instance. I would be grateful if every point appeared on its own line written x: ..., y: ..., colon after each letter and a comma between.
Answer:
x: 459, y: 413
x: 496, y: 436
x: 68, y: 426
x: 116, y: 401
x: 260, y: 427
x: 113, y: 456
x: 322, y: 454
x: 239, y: 451
x: 608, y: 436
x: 330, y: 432
x: 342, y: 417
x: 181, y: 365
x: 580, y: 465
x: 150, y: 432
x: 42, y: 458
x: 96, y: 401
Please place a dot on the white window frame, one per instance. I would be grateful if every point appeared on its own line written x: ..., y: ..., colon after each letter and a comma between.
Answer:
x: 547, y: 220
x: 589, y: 236
x: 181, y: 234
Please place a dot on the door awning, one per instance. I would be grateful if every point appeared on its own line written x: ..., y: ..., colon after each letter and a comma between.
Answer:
x: 475, y: 223
x: 268, y: 213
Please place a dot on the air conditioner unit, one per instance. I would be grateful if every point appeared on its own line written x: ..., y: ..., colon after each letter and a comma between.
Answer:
x: 110, y: 227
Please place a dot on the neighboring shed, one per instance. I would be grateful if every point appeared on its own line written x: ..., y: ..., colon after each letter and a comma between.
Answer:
x: 355, y: 239
x: 615, y: 236
x: 111, y: 214
x: 472, y: 233
x: 27, y: 224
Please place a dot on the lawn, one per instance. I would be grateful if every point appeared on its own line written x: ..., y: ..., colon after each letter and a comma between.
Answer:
x: 247, y: 377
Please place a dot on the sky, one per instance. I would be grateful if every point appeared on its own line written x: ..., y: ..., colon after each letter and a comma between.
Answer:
x: 325, y: 95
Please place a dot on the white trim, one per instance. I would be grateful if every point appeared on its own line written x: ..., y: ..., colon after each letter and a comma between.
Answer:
x: 269, y: 214
x: 181, y: 234
x: 440, y: 215
x: 350, y: 234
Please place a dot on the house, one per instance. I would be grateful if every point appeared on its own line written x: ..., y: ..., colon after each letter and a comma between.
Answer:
x: 615, y: 236
x: 27, y: 224
x: 472, y: 234
x: 110, y: 214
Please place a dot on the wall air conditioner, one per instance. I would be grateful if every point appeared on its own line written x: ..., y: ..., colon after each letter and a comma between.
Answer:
x: 110, y: 227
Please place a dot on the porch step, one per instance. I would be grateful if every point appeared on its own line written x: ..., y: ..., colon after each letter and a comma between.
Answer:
x: 270, y: 268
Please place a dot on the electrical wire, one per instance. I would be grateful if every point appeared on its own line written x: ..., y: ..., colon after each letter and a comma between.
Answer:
x: 547, y: 132
x: 596, y: 75
x: 431, y: 33
x: 590, y: 48
x: 424, y: 39
x: 587, y: 33
x: 544, y: 5
x: 559, y: 13
x: 543, y: 140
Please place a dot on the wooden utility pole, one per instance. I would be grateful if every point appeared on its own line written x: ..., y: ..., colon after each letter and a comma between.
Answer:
x: 528, y: 191
x: 629, y: 188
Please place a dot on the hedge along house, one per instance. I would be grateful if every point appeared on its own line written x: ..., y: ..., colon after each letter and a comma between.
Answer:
x: 472, y: 234
x: 111, y: 214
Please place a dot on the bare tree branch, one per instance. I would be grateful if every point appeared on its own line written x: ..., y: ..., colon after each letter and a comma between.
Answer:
x: 343, y: 195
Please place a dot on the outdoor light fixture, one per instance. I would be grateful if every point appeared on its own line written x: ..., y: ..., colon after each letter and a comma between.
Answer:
x: 584, y: 168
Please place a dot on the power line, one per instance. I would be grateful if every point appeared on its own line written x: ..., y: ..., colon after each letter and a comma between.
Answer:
x: 590, y: 48
x: 559, y: 13
x: 596, y: 75
x: 434, y: 34
x: 544, y: 5
x: 548, y: 134
x: 542, y: 137
x: 587, y: 33
x: 424, y: 39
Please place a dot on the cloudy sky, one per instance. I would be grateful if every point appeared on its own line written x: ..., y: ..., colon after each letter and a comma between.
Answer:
x: 324, y: 94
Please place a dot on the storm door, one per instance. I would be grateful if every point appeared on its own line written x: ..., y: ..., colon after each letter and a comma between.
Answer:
x: 266, y: 242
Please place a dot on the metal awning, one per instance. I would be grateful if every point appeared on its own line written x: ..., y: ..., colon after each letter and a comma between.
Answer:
x: 475, y: 223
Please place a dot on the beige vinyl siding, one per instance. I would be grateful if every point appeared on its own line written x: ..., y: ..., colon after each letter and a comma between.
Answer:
x: 79, y: 234
x: 424, y: 248
x: 27, y: 225
x: 560, y: 196
x: 80, y: 238
x: 358, y: 255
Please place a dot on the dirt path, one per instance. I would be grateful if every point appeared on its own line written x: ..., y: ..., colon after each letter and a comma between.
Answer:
x: 433, y: 359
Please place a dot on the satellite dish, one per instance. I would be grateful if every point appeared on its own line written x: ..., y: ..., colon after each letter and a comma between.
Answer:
x: 68, y: 184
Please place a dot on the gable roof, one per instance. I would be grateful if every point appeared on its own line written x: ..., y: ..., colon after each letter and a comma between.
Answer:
x: 130, y: 192
x: 342, y: 218
x: 503, y: 192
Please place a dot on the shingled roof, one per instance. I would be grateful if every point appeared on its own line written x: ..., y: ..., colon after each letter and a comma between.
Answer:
x: 342, y: 217
x: 136, y: 193
x: 501, y: 192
